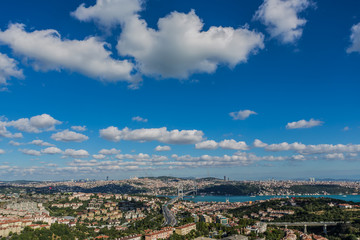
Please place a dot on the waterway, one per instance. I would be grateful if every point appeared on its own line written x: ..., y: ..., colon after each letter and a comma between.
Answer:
x: 208, y: 198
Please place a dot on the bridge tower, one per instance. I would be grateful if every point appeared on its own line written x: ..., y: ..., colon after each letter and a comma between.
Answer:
x: 181, y: 191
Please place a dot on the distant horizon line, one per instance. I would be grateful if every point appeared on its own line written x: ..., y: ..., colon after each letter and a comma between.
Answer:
x: 190, y: 178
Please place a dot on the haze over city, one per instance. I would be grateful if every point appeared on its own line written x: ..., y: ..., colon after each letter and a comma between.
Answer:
x: 250, y: 90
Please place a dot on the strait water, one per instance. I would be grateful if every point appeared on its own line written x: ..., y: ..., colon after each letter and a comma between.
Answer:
x: 207, y: 198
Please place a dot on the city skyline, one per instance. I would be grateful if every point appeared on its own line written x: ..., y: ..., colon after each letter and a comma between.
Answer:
x: 124, y: 88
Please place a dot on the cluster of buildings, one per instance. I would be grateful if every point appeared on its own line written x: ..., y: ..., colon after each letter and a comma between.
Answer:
x: 94, y: 210
x: 270, y: 214
x: 169, y: 185
x: 293, y: 235
x: 163, y: 233
x: 15, y: 216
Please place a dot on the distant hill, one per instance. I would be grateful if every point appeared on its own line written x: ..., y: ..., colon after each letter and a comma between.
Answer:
x: 109, y: 188
x: 230, y: 189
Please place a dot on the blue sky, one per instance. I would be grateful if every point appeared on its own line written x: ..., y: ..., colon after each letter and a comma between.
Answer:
x: 202, y: 81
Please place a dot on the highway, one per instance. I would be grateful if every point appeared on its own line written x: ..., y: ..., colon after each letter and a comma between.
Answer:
x: 169, y: 216
x: 309, y: 224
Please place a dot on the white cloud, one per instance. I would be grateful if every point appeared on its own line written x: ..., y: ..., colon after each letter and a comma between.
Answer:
x: 51, y: 150
x: 30, y: 152
x: 69, y: 136
x: 225, y: 144
x: 298, y: 157
x: 286, y: 147
x: 2, y: 151
x: 281, y: 17
x: 259, y: 144
x: 108, y: 12
x: 162, y: 148
x: 43, y: 121
x: 242, y: 114
x: 355, y: 39
x: 39, y: 142
x: 309, y: 149
x: 8, y: 69
x: 331, y: 148
x: 99, y: 156
x: 346, y: 128
x: 48, y: 51
x: 232, y: 144
x: 180, y: 47
x: 152, y: 134
x: 13, y: 143
x: 76, y: 153
x: 5, y: 133
x: 79, y: 128
x: 139, y: 119
x: 136, y: 157
x: 112, y: 151
x: 304, y: 124
x: 338, y: 156
x: 209, y: 145
x: 36, y: 124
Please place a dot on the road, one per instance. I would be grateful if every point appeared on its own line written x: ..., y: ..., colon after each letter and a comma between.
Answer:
x: 169, y: 216
x: 309, y: 224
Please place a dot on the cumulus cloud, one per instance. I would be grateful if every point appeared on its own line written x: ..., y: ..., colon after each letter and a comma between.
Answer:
x: 2, y: 151
x: 69, y: 136
x: 35, y: 124
x: 355, y: 39
x: 179, y: 47
x: 76, y: 153
x: 304, y: 124
x: 51, y: 150
x: 137, y: 157
x: 208, y: 145
x: 13, y: 143
x: 332, y: 148
x: 108, y: 12
x: 242, y: 114
x: 30, y: 152
x: 139, y: 119
x: 309, y: 149
x: 111, y: 151
x: 232, y: 144
x: 225, y: 144
x: 143, y: 161
x: 39, y: 142
x: 338, y: 156
x: 259, y: 144
x: 79, y: 128
x: 48, y: 51
x: 281, y: 17
x: 286, y: 147
x: 7, y: 134
x: 152, y: 134
x: 162, y: 148
x: 99, y: 156
x: 298, y: 157
x: 8, y: 69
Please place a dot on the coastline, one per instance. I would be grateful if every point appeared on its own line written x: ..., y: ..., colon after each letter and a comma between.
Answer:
x: 224, y: 198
